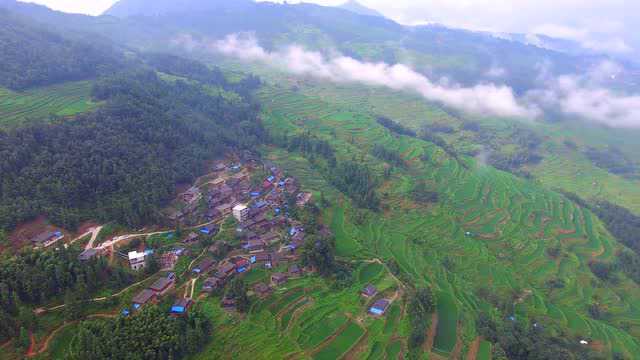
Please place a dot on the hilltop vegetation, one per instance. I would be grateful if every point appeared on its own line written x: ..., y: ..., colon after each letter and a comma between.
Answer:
x: 31, y: 55
x: 126, y: 157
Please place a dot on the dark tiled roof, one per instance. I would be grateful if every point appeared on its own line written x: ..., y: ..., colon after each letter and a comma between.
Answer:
x: 143, y: 296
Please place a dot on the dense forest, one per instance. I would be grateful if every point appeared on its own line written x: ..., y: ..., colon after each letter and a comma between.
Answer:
x: 32, y: 278
x: 123, y: 161
x: 195, y: 70
x: 33, y: 56
x: 151, y: 334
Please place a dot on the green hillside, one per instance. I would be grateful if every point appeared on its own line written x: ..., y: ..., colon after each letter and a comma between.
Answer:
x: 512, y: 226
x: 19, y: 108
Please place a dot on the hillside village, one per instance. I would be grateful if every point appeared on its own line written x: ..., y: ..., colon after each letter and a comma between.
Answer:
x: 236, y: 218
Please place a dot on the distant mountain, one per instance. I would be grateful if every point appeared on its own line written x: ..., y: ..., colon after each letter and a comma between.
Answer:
x: 32, y: 54
x: 358, y: 8
x: 465, y: 57
x: 127, y: 8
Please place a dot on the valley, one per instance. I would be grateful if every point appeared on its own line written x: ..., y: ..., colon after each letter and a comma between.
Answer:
x: 194, y: 192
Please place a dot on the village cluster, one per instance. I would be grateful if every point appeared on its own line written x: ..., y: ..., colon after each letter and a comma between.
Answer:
x: 265, y: 235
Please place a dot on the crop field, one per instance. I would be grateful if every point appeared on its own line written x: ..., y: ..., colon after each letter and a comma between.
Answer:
x: 19, y: 108
x: 491, y: 229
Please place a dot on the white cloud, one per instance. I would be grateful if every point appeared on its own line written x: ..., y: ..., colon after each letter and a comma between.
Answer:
x: 489, y: 99
x: 600, y: 42
x: 587, y: 97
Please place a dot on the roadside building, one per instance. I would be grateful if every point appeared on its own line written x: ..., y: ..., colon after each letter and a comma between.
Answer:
x: 47, y: 239
x: 137, y: 260
x: 168, y: 260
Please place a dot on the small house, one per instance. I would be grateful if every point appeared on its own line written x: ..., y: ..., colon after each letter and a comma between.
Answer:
x: 204, y: 266
x: 212, y: 283
x: 254, y: 245
x: 227, y: 269
x: 163, y: 285
x: 168, y: 260
x: 181, y: 307
x: 210, y: 230
x: 47, y: 239
x: 369, y: 291
x: 295, y: 271
x: 380, y: 307
x: 278, y: 279
x: 262, y: 289
x: 143, y: 297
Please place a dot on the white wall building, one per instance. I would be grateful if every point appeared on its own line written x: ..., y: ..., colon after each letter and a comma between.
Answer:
x: 241, y: 212
x: 137, y: 260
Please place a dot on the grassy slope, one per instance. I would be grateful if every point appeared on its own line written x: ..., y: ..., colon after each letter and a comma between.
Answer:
x: 513, y: 222
x: 19, y: 108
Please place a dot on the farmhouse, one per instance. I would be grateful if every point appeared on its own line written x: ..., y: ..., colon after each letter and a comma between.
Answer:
x: 204, y: 266
x: 163, y: 285
x: 262, y: 289
x: 47, y: 239
x: 380, y: 307
x: 168, y: 260
x: 181, y: 307
x: 212, y: 283
x: 295, y: 271
x: 241, y: 265
x: 225, y: 209
x: 254, y: 245
x: 369, y: 291
x: 278, y: 279
x: 226, y: 269
x: 210, y: 230
x: 145, y: 296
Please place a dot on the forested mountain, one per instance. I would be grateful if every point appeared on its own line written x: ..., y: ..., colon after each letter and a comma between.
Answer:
x: 122, y: 161
x: 460, y: 55
x: 358, y: 8
x: 31, y: 55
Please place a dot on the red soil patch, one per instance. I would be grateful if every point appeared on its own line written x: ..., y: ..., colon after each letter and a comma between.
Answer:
x: 431, y: 333
x: 566, y: 232
x: 473, y: 349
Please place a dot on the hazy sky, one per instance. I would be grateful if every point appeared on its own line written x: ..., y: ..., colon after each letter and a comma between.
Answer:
x: 606, y: 25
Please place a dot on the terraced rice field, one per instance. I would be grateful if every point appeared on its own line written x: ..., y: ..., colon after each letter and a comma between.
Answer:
x: 492, y: 228
x: 18, y: 108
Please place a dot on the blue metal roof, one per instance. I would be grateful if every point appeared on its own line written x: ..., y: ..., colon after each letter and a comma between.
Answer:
x: 177, y: 309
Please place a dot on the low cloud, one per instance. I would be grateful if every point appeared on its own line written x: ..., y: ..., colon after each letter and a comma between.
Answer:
x: 587, y: 96
x: 487, y: 99
x: 584, y: 96
x: 602, y: 42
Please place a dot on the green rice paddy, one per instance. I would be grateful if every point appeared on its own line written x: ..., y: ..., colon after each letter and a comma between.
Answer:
x: 19, y: 108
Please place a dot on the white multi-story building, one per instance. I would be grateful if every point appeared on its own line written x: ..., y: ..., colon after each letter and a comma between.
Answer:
x: 137, y: 260
x: 241, y: 213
